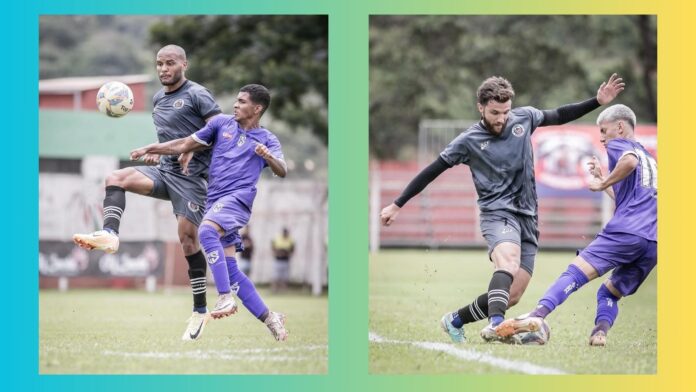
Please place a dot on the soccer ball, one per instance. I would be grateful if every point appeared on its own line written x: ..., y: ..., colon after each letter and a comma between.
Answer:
x: 537, y: 338
x: 115, y: 99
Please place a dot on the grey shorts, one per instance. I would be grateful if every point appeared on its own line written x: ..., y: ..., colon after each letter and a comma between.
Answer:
x: 504, y: 226
x: 187, y: 193
x: 282, y: 270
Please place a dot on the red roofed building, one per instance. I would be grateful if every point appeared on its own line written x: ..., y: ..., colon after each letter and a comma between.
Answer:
x: 80, y: 93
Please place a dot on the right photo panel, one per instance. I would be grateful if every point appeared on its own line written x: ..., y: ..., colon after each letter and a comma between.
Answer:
x: 513, y: 194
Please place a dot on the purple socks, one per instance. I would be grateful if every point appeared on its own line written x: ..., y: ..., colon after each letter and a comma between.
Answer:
x: 566, y: 284
x: 245, y: 290
x: 607, y: 309
x: 215, y: 254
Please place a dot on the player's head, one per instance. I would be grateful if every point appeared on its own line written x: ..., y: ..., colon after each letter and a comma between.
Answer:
x: 494, y: 102
x: 616, y: 121
x: 171, y: 65
x: 252, y: 102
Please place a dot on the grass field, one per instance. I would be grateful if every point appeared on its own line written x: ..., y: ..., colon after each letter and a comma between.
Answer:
x: 126, y: 332
x: 411, y: 289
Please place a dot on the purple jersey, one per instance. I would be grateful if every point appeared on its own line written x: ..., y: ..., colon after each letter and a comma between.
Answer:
x: 636, y: 195
x: 235, y: 167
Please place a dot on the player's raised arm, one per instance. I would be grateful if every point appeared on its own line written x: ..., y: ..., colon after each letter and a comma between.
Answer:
x: 606, y: 93
x: 277, y: 165
x: 174, y: 147
x: 416, y: 186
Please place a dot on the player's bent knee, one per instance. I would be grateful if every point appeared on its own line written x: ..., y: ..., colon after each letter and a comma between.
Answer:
x: 207, y: 232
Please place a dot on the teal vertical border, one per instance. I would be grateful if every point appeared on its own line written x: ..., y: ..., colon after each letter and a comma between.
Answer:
x: 348, y: 195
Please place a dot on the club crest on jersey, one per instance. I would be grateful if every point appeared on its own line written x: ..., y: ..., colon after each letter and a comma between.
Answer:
x: 242, y: 139
x: 193, y: 207
x: 178, y: 104
x: 217, y: 207
x: 518, y: 130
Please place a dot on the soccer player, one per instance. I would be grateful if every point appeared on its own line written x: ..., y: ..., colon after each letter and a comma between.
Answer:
x: 627, y: 244
x: 241, y: 149
x: 181, y: 107
x: 498, y: 150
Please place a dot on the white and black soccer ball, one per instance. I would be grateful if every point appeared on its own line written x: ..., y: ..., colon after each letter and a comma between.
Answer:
x: 115, y: 99
x: 536, y: 338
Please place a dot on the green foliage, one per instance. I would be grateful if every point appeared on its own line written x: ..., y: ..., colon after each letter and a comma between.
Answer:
x: 411, y: 289
x: 288, y: 54
x: 430, y: 66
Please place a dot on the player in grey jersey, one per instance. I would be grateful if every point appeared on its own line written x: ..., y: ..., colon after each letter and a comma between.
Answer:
x: 181, y: 108
x: 498, y: 150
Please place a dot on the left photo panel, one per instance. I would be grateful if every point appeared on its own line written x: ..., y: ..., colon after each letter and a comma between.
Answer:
x: 183, y: 198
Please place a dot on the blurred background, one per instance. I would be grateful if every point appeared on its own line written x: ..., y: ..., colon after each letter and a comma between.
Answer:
x: 78, y: 146
x: 424, y: 72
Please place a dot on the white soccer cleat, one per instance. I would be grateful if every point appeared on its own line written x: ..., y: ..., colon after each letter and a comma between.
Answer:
x: 196, y: 324
x: 99, y: 240
x: 599, y: 339
x: 524, y: 330
x: 224, y: 306
x: 276, y: 324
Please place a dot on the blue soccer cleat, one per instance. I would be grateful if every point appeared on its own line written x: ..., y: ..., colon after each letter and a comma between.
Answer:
x: 456, y: 334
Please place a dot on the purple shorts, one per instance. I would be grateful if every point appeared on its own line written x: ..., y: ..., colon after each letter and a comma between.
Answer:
x: 632, y: 258
x: 230, y: 214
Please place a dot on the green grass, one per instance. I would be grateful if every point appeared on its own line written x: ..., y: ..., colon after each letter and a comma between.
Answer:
x: 117, y: 332
x: 410, y: 290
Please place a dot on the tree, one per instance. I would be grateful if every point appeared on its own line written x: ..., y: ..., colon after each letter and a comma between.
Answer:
x: 287, y: 53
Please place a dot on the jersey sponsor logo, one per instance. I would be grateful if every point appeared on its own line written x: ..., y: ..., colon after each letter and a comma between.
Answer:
x: 242, y: 139
x: 518, y: 130
x: 193, y: 207
x: 227, y: 135
x: 212, y: 257
x: 485, y: 144
x: 217, y: 207
x: 178, y: 104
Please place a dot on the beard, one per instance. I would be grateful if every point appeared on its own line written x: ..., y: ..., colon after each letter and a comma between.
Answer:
x: 491, y: 128
x: 175, y: 78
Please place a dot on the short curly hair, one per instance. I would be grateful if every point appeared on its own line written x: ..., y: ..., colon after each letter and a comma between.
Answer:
x: 496, y: 88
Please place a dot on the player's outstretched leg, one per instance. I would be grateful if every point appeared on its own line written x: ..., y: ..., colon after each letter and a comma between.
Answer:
x: 215, y: 254
x: 247, y: 293
x: 107, y: 238
x: 607, y: 311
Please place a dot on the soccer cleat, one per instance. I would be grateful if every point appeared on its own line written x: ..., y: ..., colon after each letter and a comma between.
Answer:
x: 456, y: 334
x: 224, y: 306
x: 524, y: 329
x: 599, y: 339
x: 489, y: 335
x: 99, y: 240
x: 196, y: 324
x: 276, y: 324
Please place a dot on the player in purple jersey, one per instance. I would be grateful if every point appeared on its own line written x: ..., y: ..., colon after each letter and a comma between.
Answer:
x: 241, y: 149
x: 180, y: 108
x: 627, y: 244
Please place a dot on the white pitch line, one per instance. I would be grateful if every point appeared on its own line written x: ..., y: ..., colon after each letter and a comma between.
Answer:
x: 254, y: 354
x: 472, y: 355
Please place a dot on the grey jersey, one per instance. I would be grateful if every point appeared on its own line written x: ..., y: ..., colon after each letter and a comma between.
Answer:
x: 179, y: 114
x: 502, y: 166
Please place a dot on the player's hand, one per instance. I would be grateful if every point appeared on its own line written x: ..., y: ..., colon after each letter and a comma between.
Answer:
x: 596, y: 185
x: 389, y: 213
x: 595, y: 168
x: 137, y: 154
x: 610, y: 89
x: 151, y: 159
x: 263, y: 152
x: 184, y: 160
